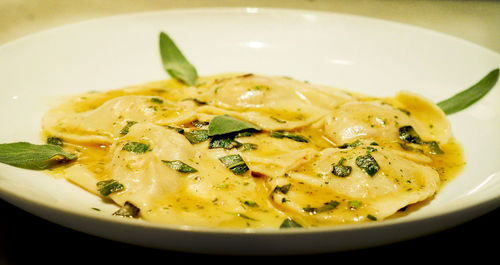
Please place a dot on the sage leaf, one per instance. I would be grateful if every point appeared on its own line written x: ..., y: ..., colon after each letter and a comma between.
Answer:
x: 180, y: 166
x: 471, y: 95
x: 284, y: 134
x: 224, y: 124
x: 32, y: 156
x: 127, y: 210
x: 197, y: 136
x: 368, y: 164
x: 289, y: 223
x: 327, y: 206
x: 135, y: 147
x: 174, y: 62
x: 109, y: 186
x: 341, y: 170
x: 235, y: 163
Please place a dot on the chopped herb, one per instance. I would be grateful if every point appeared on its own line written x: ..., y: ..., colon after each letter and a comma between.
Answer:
x: 55, y: 141
x: 180, y: 166
x: 246, y: 217
x: 371, y: 217
x: 125, y: 129
x: 225, y: 124
x: 196, y: 136
x: 106, y: 187
x: 157, y: 100
x: 434, y: 148
x: 197, y: 101
x: 250, y: 203
x: 368, y: 164
x: 404, y: 111
x: 31, y: 156
x: 179, y: 130
x: 471, y: 95
x: 135, y: 147
x: 226, y: 143
x: 174, y: 62
x: 350, y: 145
x: 327, y: 206
x: 248, y: 147
x: 289, y: 223
x: 341, y: 170
x: 235, y: 163
x: 277, y: 120
x: 284, y: 134
x: 408, y: 134
x: 199, y: 124
x: 353, y: 205
x: 95, y: 209
x: 370, y: 149
x: 128, y: 210
x: 283, y: 189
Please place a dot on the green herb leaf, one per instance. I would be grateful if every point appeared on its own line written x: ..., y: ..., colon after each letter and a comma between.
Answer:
x: 225, y: 124
x: 174, y: 62
x: 136, y: 147
x: 408, y: 134
x: 180, y: 166
x: 250, y: 203
x: 126, y: 128
x: 109, y: 186
x: 157, y: 100
x: 285, y: 134
x: 371, y: 217
x: 471, y: 95
x: 283, y: 189
x: 353, y: 205
x: 341, y: 170
x: 235, y: 163
x: 289, y: 223
x: 368, y: 164
x: 226, y: 143
x: 55, y: 140
x: 128, y: 210
x: 327, y: 206
x: 434, y: 148
x: 248, y: 147
x: 197, y: 136
x: 350, y: 145
x: 31, y: 156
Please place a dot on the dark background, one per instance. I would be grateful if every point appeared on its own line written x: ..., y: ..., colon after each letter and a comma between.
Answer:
x: 27, y: 239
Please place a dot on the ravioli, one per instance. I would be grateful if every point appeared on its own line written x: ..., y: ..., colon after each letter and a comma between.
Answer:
x: 309, y: 155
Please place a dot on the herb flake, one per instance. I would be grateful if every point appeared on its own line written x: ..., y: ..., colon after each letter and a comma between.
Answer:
x: 289, y: 223
x: 340, y: 170
x: 235, y: 163
x: 180, y: 166
x: 136, y: 147
x: 284, y: 134
x: 127, y: 210
x: 368, y: 164
x: 106, y: 187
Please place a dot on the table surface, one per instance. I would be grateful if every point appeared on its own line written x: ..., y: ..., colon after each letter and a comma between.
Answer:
x: 24, y: 237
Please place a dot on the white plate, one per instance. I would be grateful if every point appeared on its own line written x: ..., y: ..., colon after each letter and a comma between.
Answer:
x: 355, y: 53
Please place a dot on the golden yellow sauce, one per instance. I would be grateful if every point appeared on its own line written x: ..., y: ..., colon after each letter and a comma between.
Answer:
x: 261, y: 211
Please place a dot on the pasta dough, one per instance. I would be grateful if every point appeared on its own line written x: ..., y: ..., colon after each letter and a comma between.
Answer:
x: 319, y: 156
